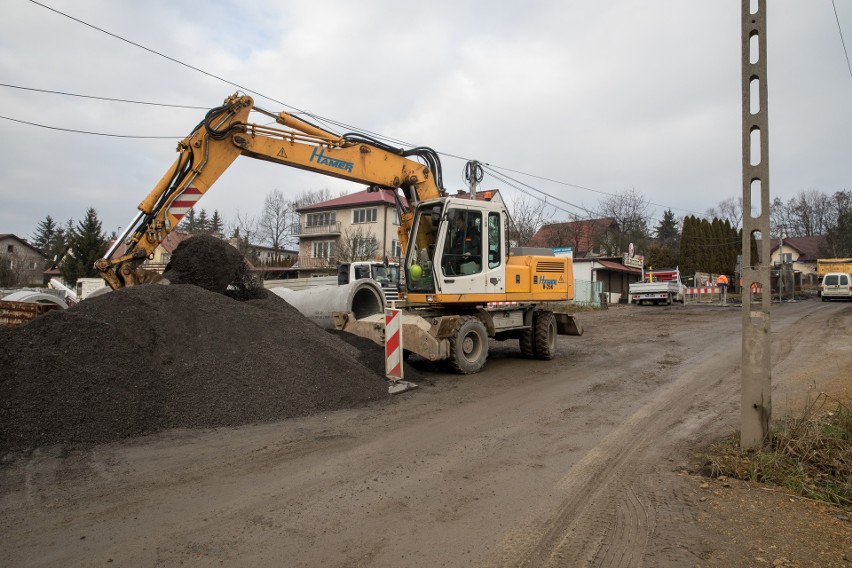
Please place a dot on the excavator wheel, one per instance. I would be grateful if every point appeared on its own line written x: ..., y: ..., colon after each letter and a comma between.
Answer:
x: 545, y: 335
x: 468, y: 346
x: 526, y: 341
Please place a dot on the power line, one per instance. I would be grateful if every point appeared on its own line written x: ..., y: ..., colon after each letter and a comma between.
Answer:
x: 101, y: 98
x: 843, y: 43
x: 315, y: 117
x: 87, y: 131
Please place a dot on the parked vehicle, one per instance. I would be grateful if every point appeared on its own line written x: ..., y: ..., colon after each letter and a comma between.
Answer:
x: 658, y: 287
x: 827, y: 265
x: 836, y: 285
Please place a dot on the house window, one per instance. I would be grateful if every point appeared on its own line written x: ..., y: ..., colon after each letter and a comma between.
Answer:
x: 365, y: 215
x: 395, y: 217
x: 396, y: 251
x: 10, y: 248
x: 320, y: 219
x: 324, y: 249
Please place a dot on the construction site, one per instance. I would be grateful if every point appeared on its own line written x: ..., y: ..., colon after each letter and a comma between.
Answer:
x: 206, y: 423
x: 429, y: 376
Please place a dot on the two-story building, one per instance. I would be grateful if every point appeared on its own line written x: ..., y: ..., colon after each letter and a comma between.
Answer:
x: 21, y: 264
x: 358, y: 226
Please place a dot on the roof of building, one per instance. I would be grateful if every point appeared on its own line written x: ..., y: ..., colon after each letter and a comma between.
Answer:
x: 807, y: 247
x: 22, y: 241
x: 618, y: 267
x: 578, y: 234
x: 364, y: 197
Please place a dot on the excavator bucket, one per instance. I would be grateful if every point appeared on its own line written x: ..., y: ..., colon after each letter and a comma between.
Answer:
x: 566, y: 324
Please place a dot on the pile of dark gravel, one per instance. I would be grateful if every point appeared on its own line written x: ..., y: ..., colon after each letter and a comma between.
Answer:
x: 149, y: 358
x: 213, y: 264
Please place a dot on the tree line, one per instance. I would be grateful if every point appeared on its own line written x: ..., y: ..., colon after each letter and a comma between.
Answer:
x: 708, y: 243
x: 696, y: 243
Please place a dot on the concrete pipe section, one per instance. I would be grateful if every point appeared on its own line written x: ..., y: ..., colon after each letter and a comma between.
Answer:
x: 362, y: 297
x: 35, y: 298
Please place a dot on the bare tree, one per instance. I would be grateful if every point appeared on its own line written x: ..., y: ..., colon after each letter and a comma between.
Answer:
x: 526, y: 219
x: 730, y: 209
x: 809, y: 213
x: 310, y: 197
x: 356, y: 243
x: 243, y: 232
x: 632, y: 213
x: 276, y: 225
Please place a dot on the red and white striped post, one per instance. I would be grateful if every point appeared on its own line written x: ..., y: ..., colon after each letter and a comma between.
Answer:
x: 393, y: 344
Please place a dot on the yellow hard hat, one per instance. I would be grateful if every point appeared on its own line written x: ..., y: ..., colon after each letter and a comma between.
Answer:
x: 416, y: 271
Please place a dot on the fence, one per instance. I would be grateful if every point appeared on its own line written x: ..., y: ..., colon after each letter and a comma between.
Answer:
x: 587, y: 293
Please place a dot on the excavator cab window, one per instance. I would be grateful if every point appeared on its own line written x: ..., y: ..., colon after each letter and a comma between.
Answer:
x: 462, y: 254
x: 421, y: 251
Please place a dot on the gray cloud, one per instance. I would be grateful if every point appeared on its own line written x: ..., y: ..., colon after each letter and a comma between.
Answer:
x: 613, y: 96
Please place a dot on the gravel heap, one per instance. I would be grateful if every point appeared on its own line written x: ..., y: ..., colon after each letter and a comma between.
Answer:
x: 149, y: 358
x: 212, y: 264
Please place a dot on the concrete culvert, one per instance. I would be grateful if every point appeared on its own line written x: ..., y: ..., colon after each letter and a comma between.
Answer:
x: 362, y: 297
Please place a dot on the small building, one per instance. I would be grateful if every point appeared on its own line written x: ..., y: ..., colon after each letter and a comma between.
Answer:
x: 21, y: 264
x: 798, y: 254
x: 615, y: 278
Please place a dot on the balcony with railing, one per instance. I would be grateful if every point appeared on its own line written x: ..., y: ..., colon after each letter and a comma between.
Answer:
x: 317, y: 262
x: 321, y: 230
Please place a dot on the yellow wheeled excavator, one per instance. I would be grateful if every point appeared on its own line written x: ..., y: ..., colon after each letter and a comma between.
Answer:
x: 460, y: 284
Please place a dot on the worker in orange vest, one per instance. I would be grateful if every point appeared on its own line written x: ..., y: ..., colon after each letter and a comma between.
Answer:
x: 722, y: 284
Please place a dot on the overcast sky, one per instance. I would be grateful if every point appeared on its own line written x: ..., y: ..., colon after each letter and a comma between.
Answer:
x: 609, y: 96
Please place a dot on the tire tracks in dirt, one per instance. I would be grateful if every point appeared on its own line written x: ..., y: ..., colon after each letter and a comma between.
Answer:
x: 604, y: 515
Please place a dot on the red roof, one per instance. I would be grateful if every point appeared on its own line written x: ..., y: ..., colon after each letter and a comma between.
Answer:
x: 364, y: 197
x: 580, y: 235
x: 618, y: 267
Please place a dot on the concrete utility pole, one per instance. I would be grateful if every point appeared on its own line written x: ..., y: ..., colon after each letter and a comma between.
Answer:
x: 756, y: 403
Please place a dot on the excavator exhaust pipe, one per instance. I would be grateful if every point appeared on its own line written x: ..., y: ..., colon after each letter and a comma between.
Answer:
x: 363, y: 298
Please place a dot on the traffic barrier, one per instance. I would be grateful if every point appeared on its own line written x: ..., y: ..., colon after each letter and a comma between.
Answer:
x: 393, y: 344
x: 702, y: 295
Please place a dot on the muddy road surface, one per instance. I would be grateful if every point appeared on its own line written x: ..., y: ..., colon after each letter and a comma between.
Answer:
x: 579, y: 461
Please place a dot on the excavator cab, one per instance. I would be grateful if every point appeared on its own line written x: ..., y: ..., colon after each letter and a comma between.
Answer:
x: 456, y: 250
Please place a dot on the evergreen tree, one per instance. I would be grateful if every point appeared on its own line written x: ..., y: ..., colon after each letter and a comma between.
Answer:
x: 703, y: 252
x: 660, y: 256
x: 216, y: 225
x: 202, y: 224
x: 716, y: 248
x: 687, y: 247
x: 59, y: 244
x: 189, y: 222
x: 88, y: 244
x: 45, y: 234
x: 667, y: 231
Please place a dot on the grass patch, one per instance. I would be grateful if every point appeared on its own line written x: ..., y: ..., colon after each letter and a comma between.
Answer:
x: 810, y: 455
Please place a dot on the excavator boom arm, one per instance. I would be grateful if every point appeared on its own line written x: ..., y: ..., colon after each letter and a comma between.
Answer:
x: 224, y: 135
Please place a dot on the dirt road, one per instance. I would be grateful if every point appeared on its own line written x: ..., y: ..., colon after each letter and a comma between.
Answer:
x: 579, y: 461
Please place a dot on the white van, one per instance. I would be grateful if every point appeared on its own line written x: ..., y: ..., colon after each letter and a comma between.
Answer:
x: 836, y: 285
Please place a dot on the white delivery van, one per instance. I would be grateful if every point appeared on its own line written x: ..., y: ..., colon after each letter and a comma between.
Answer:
x: 836, y: 285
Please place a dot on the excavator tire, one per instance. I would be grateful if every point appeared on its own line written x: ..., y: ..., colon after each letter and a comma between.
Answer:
x: 468, y: 346
x: 525, y: 341
x: 545, y: 335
